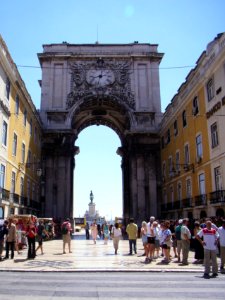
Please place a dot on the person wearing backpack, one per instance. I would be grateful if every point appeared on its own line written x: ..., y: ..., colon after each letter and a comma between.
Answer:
x: 178, y: 238
x: 66, y: 229
x: 40, y: 233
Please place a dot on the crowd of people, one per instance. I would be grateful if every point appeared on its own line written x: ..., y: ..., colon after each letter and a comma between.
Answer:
x: 165, y: 240
x: 16, y: 235
x: 160, y: 238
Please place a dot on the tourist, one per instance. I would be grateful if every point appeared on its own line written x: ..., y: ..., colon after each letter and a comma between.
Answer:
x: 105, y: 230
x: 166, y: 241
x: 156, y: 231
x: 87, y: 228
x: 210, y: 238
x: 144, y: 239
x: 41, y: 232
x: 199, y: 250
x: 178, y: 239
x: 3, y: 232
x: 132, y: 231
x: 66, y: 229
x: 116, y: 236
x: 10, y: 239
x: 31, y: 235
x: 221, y: 231
x: 94, y: 231
x: 185, y: 241
x: 151, y: 238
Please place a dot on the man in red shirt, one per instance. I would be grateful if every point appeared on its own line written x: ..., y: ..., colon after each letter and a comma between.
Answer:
x: 209, y: 242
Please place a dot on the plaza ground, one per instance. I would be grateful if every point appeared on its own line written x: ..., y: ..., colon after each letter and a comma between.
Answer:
x: 87, y: 256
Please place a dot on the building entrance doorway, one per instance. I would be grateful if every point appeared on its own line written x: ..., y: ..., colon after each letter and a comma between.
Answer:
x: 112, y: 85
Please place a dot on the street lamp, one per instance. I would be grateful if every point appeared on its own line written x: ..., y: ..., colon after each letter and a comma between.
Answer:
x: 27, y: 165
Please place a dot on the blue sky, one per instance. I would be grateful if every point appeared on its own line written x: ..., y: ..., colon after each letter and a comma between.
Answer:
x: 182, y: 29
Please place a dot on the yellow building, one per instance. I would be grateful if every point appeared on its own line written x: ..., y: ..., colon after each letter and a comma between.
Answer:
x: 187, y: 177
x: 20, y: 149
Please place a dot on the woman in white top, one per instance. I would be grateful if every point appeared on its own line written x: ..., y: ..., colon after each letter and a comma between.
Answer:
x: 116, y: 234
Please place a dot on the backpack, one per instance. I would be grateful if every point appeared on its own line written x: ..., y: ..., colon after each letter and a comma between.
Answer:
x: 64, y: 229
x: 178, y: 232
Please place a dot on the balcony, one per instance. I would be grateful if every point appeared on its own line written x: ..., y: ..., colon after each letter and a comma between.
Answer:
x: 5, y: 194
x: 186, y: 203
x: 14, y: 198
x: 201, y: 200
x: 217, y: 197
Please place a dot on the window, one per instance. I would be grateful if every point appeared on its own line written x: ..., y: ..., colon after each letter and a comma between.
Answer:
x: 214, y: 135
x: 17, y: 107
x: 188, y: 188
x: 184, y: 118
x: 35, y: 134
x: 2, y: 176
x: 31, y: 126
x: 33, y: 192
x: 210, y: 89
x: 177, y: 161
x: 164, y: 170
x: 168, y: 137
x: 23, y: 153
x: 7, y: 88
x: 195, y: 106
x: 4, y: 133
x: 21, y: 186
x: 179, y: 192
x: 25, y: 118
x: 29, y: 159
x: 14, y: 144
x: 218, y: 179
x: 186, y: 154
x: 201, y: 179
x: 175, y: 128
x: 170, y: 164
x: 199, y: 146
x: 171, y: 195
x: 28, y: 191
x: 13, y: 182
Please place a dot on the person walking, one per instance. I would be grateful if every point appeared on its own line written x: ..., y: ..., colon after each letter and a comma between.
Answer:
x: 221, y: 231
x: 210, y: 238
x: 132, y: 230
x: 106, y: 233
x: 66, y: 229
x: 40, y: 233
x: 94, y: 231
x: 3, y: 232
x: 31, y: 235
x: 116, y: 236
x: 87, y: 228
x: 185, y: 241
x: 178, y: 239
x: 10, y: 239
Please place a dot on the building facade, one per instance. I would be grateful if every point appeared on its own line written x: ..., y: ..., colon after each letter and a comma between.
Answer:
x: 20, y: 143
x: 192, y: 144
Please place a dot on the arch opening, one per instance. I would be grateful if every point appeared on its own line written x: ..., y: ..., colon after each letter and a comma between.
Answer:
x: 98, y: 169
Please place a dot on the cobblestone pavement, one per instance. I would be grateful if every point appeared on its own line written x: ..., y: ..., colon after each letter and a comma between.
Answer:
x: 87, y: 256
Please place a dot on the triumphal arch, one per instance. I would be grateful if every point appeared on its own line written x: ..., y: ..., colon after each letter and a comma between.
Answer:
x: 116, y: 85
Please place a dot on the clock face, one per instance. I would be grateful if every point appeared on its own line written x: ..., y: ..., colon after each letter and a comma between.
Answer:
x: 100, y: 77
